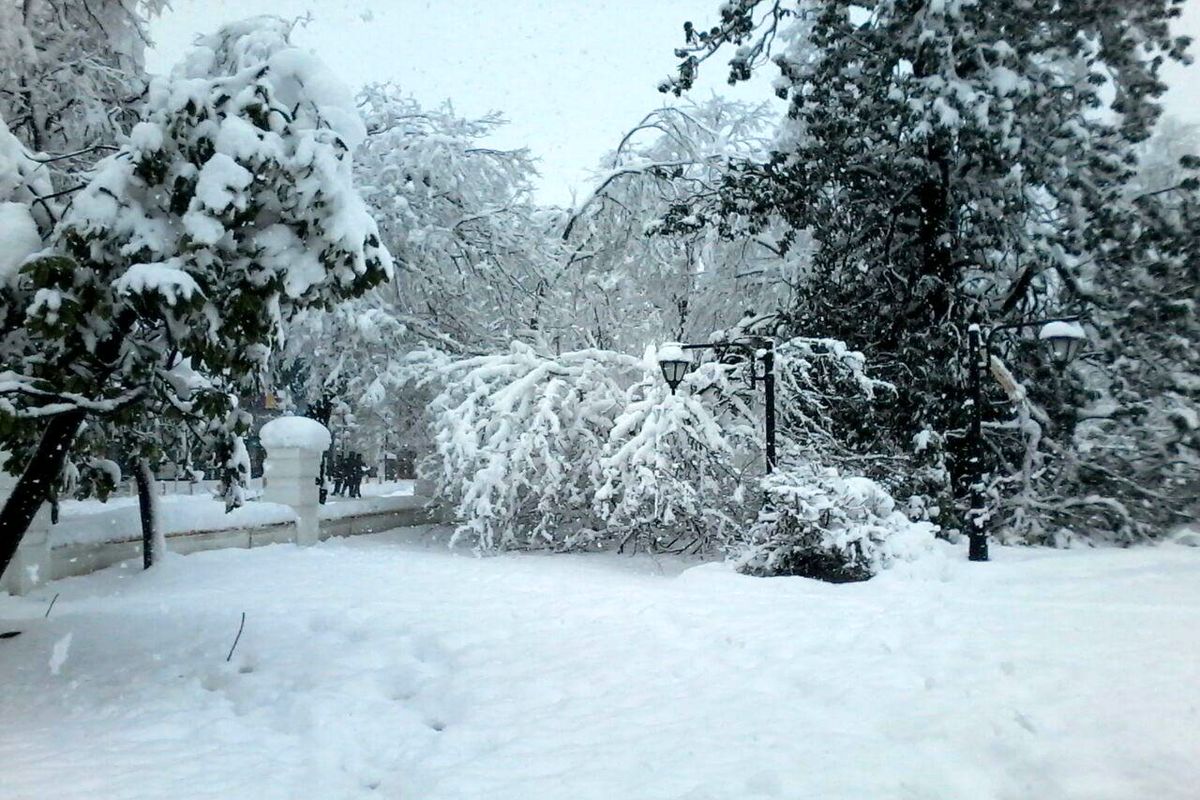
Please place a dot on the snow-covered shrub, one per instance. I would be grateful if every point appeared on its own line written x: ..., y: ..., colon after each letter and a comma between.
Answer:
x: 590, y: 448
x: 672, y: 471
x: 819, y: 524
x: 517, y: 435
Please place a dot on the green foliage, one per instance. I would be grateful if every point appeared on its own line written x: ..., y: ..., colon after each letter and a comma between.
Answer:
x: 228, y: 209
x: 956, y: 162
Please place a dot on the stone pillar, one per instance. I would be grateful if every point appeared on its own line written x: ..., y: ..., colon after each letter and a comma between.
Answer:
x: 30, y: 566
x: 294, y: 446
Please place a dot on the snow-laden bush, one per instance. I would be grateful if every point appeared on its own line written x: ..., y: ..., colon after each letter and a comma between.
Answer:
x: 517, y: 437
x: 585, y: 449
x: 590, y: 449
x: 819, y: 524
x: 671, y: 474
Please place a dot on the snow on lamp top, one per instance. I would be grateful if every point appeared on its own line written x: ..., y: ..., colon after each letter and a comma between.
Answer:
x: 1062, y: 329
x: 1064, y: 339
x: 671, y: 351
x: 674, y: 363
x: 294, y: 432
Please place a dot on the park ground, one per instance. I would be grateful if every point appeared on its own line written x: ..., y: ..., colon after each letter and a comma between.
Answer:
x: 388, y: 666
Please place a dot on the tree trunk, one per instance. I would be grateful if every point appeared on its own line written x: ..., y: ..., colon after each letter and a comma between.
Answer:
x: 154, y: 543
x: 33, y: 486
x: 936, y: 229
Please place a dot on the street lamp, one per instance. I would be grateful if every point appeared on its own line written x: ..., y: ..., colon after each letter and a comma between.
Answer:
x: 1063, y: 337
x: 674, y: 362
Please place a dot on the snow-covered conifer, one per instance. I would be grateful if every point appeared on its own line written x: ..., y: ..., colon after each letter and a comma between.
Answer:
x: 956, y: 161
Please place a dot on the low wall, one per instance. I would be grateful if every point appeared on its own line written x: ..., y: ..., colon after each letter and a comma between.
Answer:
x: 67, y: 560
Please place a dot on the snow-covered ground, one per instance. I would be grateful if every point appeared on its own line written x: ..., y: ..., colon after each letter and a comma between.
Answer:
x: 384, y: 667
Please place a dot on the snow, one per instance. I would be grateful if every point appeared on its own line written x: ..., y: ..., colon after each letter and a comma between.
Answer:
x: 165, y: 279
x: 90, y: 521
x: 1004, y: 80
x: 294, y: 432
x: 1186, y: 381
x: 19, y: 239
x: 21, y: 178
x: 221, y: 181
x: 383, y: 667
x: 671, y: 351
x: 1061, y: 329
x: 284, y: 251
x: 299, y: 74
x: 184, y: 380
x: 58, y: 656
x: 106, y: 465
x: 146, y: 137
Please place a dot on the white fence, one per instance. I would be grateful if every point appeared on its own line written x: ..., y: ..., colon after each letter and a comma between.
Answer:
x: 289, y: 512
x: 380, y: 514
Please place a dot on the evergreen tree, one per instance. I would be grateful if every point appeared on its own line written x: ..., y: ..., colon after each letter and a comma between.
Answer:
x: 957, y: 161
x: 229, y: 209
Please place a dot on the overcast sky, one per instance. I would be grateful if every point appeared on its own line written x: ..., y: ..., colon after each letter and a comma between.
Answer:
x: 570, y: 75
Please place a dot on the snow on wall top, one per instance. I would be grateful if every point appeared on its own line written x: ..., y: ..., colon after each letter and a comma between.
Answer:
x: 299, y: 432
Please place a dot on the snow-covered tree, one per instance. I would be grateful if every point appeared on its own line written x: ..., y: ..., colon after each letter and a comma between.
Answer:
x: 1159, y: 169
x: 70, y: 76
x: 673, y: 469
x: 589, y: 448
x: 953, y: 161
x: 457, y: 214
x: 516, y: 438
x: 1138, y: 435
x: 474, y: 257
x: 230, y: 208
x: 642, y: 267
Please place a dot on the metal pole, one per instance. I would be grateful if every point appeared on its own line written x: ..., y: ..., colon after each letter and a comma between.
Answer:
x: 977, y: 515
x: 768, y: 359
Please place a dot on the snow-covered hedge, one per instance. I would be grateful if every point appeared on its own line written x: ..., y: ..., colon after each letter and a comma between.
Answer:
x: 671, y: 473
x: 517, y: 437
x: 819, y: 524
x: 590, y: 448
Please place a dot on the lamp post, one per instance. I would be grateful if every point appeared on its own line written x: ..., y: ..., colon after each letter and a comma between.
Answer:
x: 674, y: 361
x: 1063, y: 337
